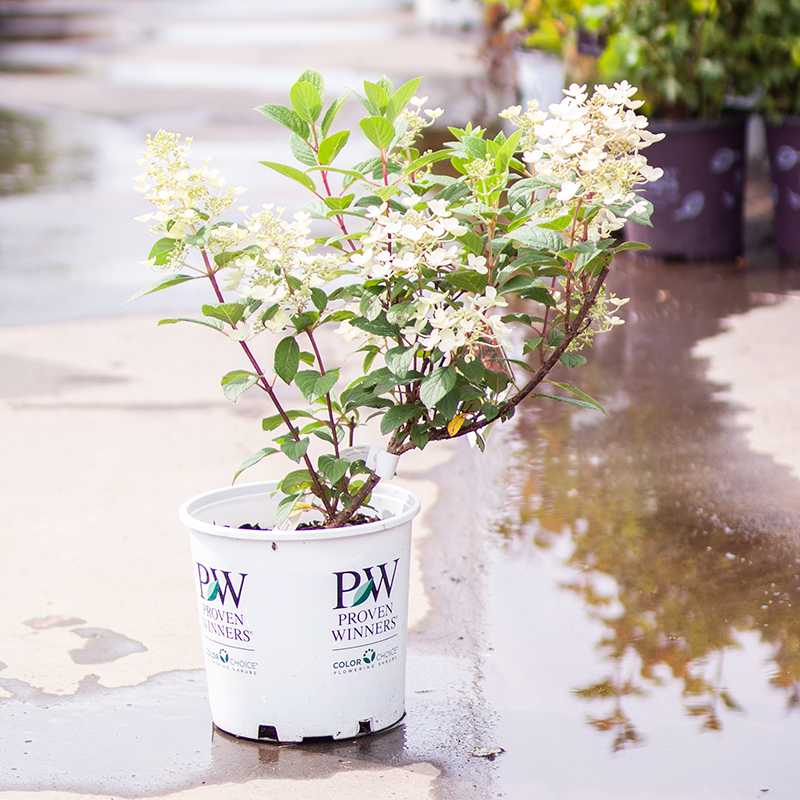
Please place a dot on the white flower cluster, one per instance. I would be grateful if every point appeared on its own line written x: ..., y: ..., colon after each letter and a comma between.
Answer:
x: 281, y: 265
x: 267, y: 258
x: 591, y: 147
x: 401, y: 245
x: 464, y: 326
x: 415, y: 121
x: 181, y: 194
x: 526, y: 122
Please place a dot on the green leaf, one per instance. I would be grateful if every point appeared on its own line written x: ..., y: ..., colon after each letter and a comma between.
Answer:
x: 287, y: 359
x: 318, y: 298
x: 437, y: 384
x: 209, y: 323
x: 420, y: 436
x: 302, y: 150
x: 423, y: 161
x: 163, y: 283
x: 313, y: 385
x: 294, y: 449
x: 518, y: 282
x: 631, y: 246
x: 339, y: 204
x: 200, y: 239
x: 386, y: 192
x: 297, y: 479
x: 221, y: 259
x: 531, y: 345
x: 401, y: 313
x: 476, y: 147
x: 363, y: 594
x: 472, y: 242
x: 236, y: 382
x: 378, y: 130
x: 306, y: 101
x: 276, y: 420
x: 333, y: 468
x: 397, y: 416
x: 348, y: 172
x: 572, y: 360
x: 229, y: 313
x: 305, y: 320
x: 161, y: 250
x: 284, y: 509
x: 472, y: 370
x: 539, y: 294
x: 554, y: 337
x: 584, y: 400
x: 532, y: 235
x: 316, y: 80
x: 330, y: 147
x: 331, y: 113
x: 377, y: 96
x: 400, y: 359
x: 379, y: 326
x: 399, y: 100
x: 496, y: 381
x: 522, y: 191
x: 468, y: 279
x: 291, y: 172
x: 286, y: 117
x: 253, y: 459
x: 371, y: 302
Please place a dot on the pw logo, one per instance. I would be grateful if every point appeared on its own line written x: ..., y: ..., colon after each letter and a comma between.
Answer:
x: 213, y: 585
x: 354, y: 588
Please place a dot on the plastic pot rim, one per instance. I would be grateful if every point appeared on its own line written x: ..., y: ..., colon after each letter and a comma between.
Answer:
x: 224, y: 496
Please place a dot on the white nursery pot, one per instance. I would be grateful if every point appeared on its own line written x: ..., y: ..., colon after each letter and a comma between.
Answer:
x: 304, y: 632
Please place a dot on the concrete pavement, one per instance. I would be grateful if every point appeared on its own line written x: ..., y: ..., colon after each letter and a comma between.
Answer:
x: 110, y: 422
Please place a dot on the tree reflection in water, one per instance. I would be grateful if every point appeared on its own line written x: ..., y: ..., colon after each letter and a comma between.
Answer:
x: 697, y: 533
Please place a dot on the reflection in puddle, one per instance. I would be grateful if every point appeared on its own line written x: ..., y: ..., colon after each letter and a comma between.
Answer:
x: 23, y: 161
x: 39, y: 154
x: 667, y: 559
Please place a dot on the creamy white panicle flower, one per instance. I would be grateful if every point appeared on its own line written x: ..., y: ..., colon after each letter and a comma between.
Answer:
x: 568, y: 190
x: 399, y: 243
x: 477, y: 263
x: 439, y: 208
x: 490, y: 299
x: 184, y: 196
x: 591, y: 145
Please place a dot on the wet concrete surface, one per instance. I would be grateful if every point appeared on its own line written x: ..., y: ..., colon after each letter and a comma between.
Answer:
x: 613, y: 601
x: 659, y: 559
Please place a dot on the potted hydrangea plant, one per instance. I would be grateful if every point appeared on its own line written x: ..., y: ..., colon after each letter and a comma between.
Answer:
x: 461, y: 295
x: 770, y: 61
x: 685, y: 55
x: 542, y: 45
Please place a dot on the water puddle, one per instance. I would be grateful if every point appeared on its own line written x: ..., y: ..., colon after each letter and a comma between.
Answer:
x: 646, y: 585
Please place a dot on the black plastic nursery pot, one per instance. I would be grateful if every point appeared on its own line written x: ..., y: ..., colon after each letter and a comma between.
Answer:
x: 783, y: 148
x: 698, y: 202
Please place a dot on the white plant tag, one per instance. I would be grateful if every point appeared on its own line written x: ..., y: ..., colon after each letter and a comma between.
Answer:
x: 376, y: 458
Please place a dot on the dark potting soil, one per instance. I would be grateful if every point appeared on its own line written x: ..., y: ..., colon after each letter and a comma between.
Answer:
x: 316, y: 525
x: 356, y: 519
